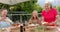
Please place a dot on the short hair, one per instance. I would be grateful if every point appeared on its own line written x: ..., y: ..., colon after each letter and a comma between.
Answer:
x: 49, y: 4
x: 2, y: 9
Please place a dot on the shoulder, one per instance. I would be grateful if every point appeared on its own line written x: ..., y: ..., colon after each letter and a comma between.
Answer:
x: 30, y: 19
x: 7, y: 18
x: 54, y: 9
x: 43, y: 10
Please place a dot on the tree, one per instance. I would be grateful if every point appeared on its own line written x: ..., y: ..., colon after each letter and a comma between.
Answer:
x: 58, y: 7
x: 27, y: 7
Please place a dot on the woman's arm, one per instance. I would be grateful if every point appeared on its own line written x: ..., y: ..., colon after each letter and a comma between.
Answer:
x: 43, y: 12
x: 42, y: 19
x: 43, y: 22
x: 56, y: 12
x: 30, y: 21
x: 8, y: 20
x: 57, y: 18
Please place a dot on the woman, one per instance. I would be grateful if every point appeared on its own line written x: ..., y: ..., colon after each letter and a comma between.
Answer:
x: 5, y: 22
x: 34, y: 19
x: 49, y: 15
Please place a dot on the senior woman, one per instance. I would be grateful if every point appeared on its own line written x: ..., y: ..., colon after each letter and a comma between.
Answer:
x: 5, y: 22
x: 49, y: 15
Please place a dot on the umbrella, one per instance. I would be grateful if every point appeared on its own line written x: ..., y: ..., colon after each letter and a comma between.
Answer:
x: 12, y: 2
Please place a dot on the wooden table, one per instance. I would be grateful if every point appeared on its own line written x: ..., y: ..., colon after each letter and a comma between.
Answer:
x: 33, y: 29
x: 15, y: 29
x: 11, y: 29
x: 42, y: 29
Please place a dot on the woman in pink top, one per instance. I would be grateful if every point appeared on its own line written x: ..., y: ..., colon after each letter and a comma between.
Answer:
x: 49, y: 14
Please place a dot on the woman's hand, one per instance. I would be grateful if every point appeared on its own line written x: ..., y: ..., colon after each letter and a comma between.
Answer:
x: 2, y: 18
x: 44, y: 22
x: 53, y: 22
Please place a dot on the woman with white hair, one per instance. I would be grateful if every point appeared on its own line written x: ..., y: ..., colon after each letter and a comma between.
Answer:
x: 49, y: 15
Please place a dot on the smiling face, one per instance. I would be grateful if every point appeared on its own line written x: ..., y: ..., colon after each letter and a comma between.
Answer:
x: 35, y: 14
x: 47, y: 6
x: 4, y: 12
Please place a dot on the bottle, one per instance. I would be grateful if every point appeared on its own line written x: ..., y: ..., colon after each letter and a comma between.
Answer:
x: 21, y: 28
x: 25, y: 24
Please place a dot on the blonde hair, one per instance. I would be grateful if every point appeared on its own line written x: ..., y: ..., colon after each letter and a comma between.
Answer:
x: 30, y: 20
x: 35, y: 11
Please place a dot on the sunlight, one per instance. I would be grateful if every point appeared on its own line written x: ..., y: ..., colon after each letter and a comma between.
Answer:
x: 46, y: 1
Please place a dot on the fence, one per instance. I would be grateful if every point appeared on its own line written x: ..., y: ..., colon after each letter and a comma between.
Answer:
x: 24, y: 14
x: 21, y: 15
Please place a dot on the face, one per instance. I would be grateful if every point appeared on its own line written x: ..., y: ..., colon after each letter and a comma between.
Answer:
x: 35, y: 14
x: 47, y: 6
x: 4, y: 13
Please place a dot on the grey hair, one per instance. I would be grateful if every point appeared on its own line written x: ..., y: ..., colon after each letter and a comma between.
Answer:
x: 49, y: 4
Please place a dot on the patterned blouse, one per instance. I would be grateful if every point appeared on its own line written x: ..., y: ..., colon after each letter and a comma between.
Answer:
x: 5, y: 23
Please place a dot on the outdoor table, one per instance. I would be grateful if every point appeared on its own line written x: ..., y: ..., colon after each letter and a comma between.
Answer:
x: 11, y: 29
x: 15, y: 28
x: 41, y: 28
x: 49, y: 28
x: 34, y: 29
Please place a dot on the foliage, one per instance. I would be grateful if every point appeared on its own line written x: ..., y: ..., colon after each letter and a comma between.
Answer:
x: 28, y: 6
x: 58, y: 8
x: 37, y: 7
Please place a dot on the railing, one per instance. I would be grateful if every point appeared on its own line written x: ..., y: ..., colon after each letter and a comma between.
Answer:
x: 23, y: 14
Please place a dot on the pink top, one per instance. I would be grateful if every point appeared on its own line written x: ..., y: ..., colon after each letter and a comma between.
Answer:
x: 50, y: 16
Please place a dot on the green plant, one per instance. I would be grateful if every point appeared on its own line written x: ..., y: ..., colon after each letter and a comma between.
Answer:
x: 27, y: 7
